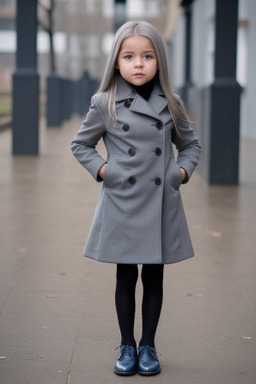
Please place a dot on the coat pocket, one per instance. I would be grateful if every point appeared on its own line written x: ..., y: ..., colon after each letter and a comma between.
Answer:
x: 175, y: 174
x: 111, y: 173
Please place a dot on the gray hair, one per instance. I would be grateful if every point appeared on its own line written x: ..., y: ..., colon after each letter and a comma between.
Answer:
x: 108, y: 83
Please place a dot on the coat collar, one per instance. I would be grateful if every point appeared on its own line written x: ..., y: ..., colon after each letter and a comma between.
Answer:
x: 153, y: 107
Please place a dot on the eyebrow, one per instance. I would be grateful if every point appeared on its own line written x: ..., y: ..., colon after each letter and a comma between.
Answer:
x: 147, y: 51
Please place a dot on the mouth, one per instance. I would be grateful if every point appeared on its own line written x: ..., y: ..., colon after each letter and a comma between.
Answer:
x: 138, y: 75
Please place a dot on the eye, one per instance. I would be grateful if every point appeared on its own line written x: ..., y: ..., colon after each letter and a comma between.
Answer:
x: 148, y: 57
x: 128, y: 57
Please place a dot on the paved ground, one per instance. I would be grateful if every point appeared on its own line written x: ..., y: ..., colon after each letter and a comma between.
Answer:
x: 57, y: 316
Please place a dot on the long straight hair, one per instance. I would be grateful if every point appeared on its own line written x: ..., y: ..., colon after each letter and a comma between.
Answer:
x: 109, y: 80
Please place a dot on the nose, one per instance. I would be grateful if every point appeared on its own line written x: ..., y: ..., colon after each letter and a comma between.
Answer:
x: 138, y: 63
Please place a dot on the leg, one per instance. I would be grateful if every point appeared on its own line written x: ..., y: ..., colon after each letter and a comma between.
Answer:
x: 152, y: 280
x: 126, y: 279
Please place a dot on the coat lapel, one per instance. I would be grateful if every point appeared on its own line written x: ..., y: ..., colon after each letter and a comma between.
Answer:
x: 124, y: 91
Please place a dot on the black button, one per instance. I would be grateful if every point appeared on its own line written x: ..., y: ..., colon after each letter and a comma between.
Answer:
x: 127, y: 104
x: 158, y: 151
x: 132, y: 180
x: 131, y: 151
x: 159, y: 125
x: 126, y: 127
x: 158, y: 181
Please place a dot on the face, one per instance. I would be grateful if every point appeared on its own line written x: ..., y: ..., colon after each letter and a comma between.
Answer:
x: 137, y: 61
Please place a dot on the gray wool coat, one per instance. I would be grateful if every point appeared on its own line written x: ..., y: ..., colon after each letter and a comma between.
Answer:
x: 139, y: 217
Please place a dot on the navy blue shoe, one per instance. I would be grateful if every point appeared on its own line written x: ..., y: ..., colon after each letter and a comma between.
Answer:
x: 126, y: 363
x: 148, y: 363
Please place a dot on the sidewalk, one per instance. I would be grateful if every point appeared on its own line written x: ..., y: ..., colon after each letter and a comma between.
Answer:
x: 57, y: 316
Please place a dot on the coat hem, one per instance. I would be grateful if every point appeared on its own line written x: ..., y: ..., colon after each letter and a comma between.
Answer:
x: 139, y: 263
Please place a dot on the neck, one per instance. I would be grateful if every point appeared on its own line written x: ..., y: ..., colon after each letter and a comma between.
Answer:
x: 145, y: 89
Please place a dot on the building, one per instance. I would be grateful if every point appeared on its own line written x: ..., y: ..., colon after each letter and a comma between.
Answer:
x: 202, y: 55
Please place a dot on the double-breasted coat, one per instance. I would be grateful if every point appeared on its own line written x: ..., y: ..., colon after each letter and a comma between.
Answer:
x: 139, y: 217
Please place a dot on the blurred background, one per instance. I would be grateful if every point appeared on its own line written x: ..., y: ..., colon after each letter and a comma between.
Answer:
x: 57, y: 315
x: 211, y: 53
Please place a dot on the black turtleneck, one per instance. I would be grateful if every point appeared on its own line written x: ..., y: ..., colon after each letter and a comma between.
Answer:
x: 145, y: 89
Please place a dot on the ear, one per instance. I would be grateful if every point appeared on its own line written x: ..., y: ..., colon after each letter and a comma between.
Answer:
x: 116, y: 65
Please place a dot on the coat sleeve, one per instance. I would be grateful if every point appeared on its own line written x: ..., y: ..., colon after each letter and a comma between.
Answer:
x: 86, y: 139
x: 188, y: 148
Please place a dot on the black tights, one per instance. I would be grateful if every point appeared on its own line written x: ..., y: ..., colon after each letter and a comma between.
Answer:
x: 152, y: 280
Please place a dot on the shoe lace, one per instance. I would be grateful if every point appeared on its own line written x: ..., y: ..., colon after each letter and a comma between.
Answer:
x: 125, y: 350
x: 149, y: 351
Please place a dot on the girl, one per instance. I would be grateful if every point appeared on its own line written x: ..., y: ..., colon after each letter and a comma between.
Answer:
x: 139, y: 218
